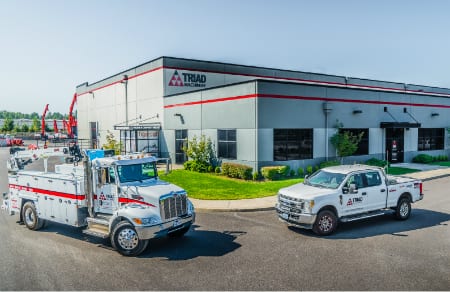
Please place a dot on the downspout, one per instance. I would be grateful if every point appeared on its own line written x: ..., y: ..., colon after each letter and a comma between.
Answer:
x: 256, y: 129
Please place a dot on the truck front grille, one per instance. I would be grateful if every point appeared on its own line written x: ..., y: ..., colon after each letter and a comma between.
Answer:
x: 173, y: 206
x: 290, y: 205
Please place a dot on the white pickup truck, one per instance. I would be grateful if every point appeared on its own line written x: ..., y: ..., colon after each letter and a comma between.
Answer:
x: 346, y: 193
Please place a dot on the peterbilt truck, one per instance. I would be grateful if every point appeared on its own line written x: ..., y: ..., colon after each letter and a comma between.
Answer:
x: 346, y: 193
x: 117, y: 197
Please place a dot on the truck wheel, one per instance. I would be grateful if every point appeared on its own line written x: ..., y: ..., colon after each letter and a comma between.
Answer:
x: 30, y: 217
x: 179, y: 232
x: 403, y: 209
x: 125, y: 240
x: 326, y: 223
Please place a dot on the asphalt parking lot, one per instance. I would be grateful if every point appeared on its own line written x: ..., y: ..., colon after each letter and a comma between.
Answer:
x: 240, y: 251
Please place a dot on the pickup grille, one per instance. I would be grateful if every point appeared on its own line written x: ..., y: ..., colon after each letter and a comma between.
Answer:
x: 173, y: 206
x: 290, y: 205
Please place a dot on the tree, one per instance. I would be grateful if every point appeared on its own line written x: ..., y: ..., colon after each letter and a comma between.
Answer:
x: 8, y: 125
x: 111, y: 143
x: 25, y: 128
x: 201, y: 153
x: 35, y: 126
x: 345, y: 143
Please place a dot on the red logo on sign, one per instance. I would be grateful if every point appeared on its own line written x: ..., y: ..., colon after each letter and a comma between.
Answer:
x: 349, y: 203
x: 176, y: 80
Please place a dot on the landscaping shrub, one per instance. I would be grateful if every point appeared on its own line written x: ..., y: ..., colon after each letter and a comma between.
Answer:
x: 217, y: 170
x: 275, y: 172
x: 195, y: 166
x: 255, y: 175
x: 301, y: 172
x: 329, y: 163
x: 309, y: 169
x: 210, y: 168
x: 423, y: 158
x: 376, y: 162
x: 236, y: 170
x: 292, y: 173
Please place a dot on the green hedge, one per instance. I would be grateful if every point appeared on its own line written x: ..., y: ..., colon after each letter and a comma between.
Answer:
x: 377, y: 162
x: 423, y: 158
x: 196, y: 166
x: 275, y: 172
x: 236, y: 170
x: 329, y: 163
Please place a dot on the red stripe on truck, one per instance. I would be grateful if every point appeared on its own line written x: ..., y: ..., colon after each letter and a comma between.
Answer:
x: 47, y: 192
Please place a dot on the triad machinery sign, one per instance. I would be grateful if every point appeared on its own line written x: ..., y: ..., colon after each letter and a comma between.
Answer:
x: 187, y: 79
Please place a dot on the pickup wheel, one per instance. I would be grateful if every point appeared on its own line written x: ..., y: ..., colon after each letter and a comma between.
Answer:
x: 125, y: 240
x: 30, y: 217
x: 403, y: 209
x: 326, y: 223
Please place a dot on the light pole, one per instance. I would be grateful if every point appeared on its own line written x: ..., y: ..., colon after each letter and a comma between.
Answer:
x: 125, y: 81
x: 327, y: 108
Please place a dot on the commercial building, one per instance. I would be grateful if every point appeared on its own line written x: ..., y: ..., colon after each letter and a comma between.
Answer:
x: 261, y: 116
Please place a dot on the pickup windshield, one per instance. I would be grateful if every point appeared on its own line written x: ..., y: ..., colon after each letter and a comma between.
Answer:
x: 325, y: 179
x: 136, y: 172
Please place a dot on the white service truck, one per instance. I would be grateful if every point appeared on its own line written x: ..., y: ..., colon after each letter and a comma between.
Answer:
x: 118, y: 197
x: 346, y: 193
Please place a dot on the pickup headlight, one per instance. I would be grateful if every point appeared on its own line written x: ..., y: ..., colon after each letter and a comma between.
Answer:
x: 309, y: 205
x: 147, y: 221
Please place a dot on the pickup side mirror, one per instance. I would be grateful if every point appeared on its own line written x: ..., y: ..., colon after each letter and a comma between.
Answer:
x: 352, y: 189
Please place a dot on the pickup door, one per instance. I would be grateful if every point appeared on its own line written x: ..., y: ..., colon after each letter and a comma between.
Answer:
x: 370, y: 194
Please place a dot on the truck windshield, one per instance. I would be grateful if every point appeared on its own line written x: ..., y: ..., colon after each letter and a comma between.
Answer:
x: 136, y: 172
x: 325, y: 179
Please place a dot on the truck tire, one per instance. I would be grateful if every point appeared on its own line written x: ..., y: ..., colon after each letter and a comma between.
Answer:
x: 179, y: 232
x: 403, y: 209
x: 30, y: 217
x: 326, y: 223
x: 125, y: 240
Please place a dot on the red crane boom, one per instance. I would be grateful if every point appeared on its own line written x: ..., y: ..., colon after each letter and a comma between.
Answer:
x: 72, y: 124
x: 43, y: 121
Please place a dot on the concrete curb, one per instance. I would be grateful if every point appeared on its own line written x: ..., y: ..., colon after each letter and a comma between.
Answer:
x: 206, y: 210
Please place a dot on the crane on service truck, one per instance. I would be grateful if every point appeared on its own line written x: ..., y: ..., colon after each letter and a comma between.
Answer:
x: 117, y: 197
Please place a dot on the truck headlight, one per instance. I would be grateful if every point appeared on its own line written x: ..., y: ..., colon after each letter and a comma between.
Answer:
x: 146, y: 221
x: 309, y: 206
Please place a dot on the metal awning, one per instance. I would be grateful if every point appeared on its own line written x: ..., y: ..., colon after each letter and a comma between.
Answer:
x: 138, y: 126
x: 384, y: 125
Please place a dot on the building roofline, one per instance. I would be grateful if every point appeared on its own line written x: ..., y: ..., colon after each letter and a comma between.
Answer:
x: 264, y: 68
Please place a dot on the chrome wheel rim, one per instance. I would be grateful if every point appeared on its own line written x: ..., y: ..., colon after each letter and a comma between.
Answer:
x: 325, y: 223
x: 29, y: 217
x: 128, y: 239
x: 404, y: 209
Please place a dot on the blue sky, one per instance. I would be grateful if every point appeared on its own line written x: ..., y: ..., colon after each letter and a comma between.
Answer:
x: 48, y: 47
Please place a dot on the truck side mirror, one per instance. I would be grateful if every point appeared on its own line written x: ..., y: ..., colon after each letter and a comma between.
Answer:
x: 353, y: 189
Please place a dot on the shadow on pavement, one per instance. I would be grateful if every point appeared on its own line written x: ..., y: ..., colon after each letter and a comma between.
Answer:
x: 386, y: 224
x: 196, y: 243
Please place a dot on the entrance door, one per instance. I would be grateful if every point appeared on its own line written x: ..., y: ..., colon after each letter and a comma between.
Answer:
x: 394, y: 144
x: 180, y: 143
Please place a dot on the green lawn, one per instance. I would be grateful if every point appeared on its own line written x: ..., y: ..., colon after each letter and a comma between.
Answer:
x: 208, y: 186
x: 400, y: 170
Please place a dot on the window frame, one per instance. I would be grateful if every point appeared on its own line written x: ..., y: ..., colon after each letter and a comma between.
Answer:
x: 286, y: 141
x: 229, y: 143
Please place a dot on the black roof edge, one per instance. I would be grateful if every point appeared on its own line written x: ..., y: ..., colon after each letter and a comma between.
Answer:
x: 255, y: 67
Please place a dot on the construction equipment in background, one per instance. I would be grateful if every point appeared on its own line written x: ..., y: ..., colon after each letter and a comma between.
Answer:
x: 72, y: 124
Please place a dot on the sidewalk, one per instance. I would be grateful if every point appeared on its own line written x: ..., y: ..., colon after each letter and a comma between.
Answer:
x: 268, y: 203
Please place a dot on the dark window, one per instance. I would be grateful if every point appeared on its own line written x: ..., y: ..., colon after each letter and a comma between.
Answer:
x: 363, y: 146
x: 292, y: 144
x: 180, y: 143
x: 227, y: 144
x: 431, y: 139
